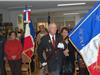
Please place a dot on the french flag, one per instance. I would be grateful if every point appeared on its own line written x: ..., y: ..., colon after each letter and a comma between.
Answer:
x: 29, y: 37
x: 85, y: 36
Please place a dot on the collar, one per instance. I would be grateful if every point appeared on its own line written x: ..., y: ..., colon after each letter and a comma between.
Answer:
x: 51, y: 36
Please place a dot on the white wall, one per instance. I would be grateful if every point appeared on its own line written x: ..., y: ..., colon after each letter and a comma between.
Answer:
x: 5, y: 14
x: 9, y: 16
x: 13, y: 17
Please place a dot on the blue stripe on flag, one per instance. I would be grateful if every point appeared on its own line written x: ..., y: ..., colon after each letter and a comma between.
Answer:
x: 24, y: 17
x: 32, y: 30
x: 87, y: 28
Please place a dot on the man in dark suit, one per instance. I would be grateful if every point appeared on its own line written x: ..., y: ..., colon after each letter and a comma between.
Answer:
x: 2, y: 63
x: 52, y: 45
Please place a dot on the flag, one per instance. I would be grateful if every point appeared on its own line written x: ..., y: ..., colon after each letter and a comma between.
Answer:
x: 20, y: 21
x: 28, y: 40
x: 85, y: 36
x: 28, y: 37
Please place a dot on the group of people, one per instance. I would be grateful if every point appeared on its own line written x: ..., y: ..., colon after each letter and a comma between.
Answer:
x: 56, y: 48
x: 53, y: 49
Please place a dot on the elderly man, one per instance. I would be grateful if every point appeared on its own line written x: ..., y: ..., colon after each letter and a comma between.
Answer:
x: 52, y: 45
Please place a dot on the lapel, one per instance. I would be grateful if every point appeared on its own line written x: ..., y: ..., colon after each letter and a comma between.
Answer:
x: 56, y: 40
x: 50, y: 41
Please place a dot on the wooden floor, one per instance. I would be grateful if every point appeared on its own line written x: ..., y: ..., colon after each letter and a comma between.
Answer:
x: 37, y: 72
x: 33, y: 73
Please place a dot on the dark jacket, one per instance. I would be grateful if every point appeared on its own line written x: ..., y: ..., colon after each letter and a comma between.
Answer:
x: 2, y: 47
x: 54, y: 55
x: 2, y: 63
x: 68, y: 61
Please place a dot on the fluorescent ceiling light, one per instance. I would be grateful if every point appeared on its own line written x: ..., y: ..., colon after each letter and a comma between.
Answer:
x: 71, y: 13
x: 18, y: 7
x: 71, y: 4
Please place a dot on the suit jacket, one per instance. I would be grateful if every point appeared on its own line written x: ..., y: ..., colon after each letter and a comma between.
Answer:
x: 1, y: 50
x: 54, y: 55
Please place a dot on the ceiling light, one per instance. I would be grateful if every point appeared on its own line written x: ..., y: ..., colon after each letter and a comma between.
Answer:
x: 71, y: 4
x: 22, y: 7
x: 71, y: 13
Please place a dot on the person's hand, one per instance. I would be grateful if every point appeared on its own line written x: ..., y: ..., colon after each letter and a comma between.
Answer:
x: 66, y: 52
x: 60, y: 45
x: 44, y: 64
x: 13, y: 57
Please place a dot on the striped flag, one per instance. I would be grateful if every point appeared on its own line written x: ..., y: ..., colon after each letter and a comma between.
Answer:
x: 28, y: 36
x: 86, y: 38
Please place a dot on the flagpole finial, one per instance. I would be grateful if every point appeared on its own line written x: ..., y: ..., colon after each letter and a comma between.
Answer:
x: 27, y: 13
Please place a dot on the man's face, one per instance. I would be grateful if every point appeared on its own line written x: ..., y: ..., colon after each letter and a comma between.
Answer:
x: 53, y: 29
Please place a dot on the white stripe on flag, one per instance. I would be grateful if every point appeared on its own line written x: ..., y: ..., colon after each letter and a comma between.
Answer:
x: 27, y: 33
x: 90, y: 51
x: 27, y: 16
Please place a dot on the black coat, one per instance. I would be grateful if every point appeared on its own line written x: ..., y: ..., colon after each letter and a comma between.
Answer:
x: 54, y: 55
x: 68, y: 61
x: 2, y: 39
x: 2, y: 63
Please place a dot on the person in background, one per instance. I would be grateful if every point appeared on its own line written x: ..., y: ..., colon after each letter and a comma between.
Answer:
x: 13, y: 51
x: 2, y: 62
x: 69, y: 59
x: 82, y: 67
x: 53, y: 47
x: 4, y: 33
x: 42, y: 31
x: 20, y: 36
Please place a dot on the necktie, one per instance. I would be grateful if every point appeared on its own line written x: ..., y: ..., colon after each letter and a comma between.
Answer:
x: 53, y: 41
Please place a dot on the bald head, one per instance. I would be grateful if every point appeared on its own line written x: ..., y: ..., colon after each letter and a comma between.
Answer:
x: 52, y: 28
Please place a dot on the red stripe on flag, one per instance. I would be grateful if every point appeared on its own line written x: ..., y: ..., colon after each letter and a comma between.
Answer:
x: 93, y: 70
x: 29, y: 13
x: 28, y: 53
x: 28, y: 43
x: 95, y: 67
x: 98, y: 59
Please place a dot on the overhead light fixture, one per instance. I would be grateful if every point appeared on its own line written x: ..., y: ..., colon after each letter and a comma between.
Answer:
x: 71, y: 4
x: 71, y: 13
x: 18, y: 7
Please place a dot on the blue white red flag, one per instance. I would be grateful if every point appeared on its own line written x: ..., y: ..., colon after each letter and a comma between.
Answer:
x: 28, y: 36
x: 85, y: 36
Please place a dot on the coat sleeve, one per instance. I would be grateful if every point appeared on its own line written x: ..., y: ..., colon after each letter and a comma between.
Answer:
x: 40, y: 49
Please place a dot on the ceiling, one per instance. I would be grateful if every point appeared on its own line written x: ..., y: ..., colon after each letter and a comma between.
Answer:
x: 45, y: 7
x: 37, y: 4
